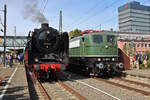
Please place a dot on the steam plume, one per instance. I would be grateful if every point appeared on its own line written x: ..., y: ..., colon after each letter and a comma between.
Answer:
x: 32, y: 12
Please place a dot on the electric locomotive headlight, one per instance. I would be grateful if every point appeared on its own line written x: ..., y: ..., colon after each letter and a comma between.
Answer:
x: 36, y: 60
x: 99, y: 59
x: 113, y: 59
x: 106, y: 46
x: 120, y: 65
x: 101, y: 66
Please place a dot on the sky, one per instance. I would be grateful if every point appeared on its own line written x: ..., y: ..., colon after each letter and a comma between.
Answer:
x: 81, y: 14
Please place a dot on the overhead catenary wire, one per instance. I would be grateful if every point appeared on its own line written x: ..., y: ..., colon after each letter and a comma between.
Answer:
x: 44, y: 7
x: 105, y: 22
x: 95, y: 14
x: 88, y: 11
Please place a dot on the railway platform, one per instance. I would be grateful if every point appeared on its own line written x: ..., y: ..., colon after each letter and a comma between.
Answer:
x: 13, y: 85
x: 144, y: 73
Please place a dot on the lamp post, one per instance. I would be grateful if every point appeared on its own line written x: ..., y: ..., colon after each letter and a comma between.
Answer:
x: 5, y: 11
x: 60, y: 22
x: 15, y: 40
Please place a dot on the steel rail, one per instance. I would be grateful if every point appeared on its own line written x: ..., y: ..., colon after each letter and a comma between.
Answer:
x: 43, y: 91
x: 80, y: 97
x: 133, y: 82
x: 124, y: 86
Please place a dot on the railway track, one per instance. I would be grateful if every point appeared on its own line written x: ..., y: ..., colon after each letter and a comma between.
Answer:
x: 87, y: 89
x: 136, y: 86
x: 115, y: 89
x: 80, y: 97
x: 128, y: 84
x: 59, y: 90
x: 43, y: 91
x: 51, y: 90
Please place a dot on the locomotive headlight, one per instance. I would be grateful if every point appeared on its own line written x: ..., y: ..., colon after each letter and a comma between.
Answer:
x: 113, y: 59
x: 48, y: 32
x: 106, y: 46
x: 36, y: 60
x: 99, y: 59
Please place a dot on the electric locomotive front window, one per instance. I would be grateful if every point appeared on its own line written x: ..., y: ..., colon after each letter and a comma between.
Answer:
x: 111, y: 39
x: 97, y: 39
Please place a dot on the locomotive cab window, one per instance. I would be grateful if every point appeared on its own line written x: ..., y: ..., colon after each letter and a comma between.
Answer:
x: 97, y: 39
x: 111, y: 39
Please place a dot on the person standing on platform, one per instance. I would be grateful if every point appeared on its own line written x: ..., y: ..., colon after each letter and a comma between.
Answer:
x: 1, y: 60
x: 134, y: 60
x: 140, y: 58
x: 6, y: 59
x: 137, y: 60
x: 20, y: 58
x: 145, y: 60
x: 10, y: 60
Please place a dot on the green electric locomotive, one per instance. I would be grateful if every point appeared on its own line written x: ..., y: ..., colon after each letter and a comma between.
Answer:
x: 96, y: 53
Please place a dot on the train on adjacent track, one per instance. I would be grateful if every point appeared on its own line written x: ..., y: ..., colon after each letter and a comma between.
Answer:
x: 95, y: 53
x: 46, y: 52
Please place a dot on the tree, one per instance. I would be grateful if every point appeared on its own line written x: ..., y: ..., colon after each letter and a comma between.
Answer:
x: 75, y: 33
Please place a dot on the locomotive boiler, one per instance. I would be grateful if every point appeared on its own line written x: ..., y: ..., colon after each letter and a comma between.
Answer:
x: 46, y: 52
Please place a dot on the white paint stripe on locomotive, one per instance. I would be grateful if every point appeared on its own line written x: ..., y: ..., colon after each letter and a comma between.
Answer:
x: 9, y: 81
x: 95, y: 88
x: 74, y: 44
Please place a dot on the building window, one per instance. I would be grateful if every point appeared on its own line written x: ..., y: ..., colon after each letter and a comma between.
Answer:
x: 129, y: 45
x: 146, y: 45
x: 142, y: 45
x: 138, y: 45
x: 134, y: 44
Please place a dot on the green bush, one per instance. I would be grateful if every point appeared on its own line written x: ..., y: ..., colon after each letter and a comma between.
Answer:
x: 148, y: 63
x: 142, y: 66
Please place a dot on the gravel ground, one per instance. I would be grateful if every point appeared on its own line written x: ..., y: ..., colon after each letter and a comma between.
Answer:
x: 121, y: 93
x: 18, y: 88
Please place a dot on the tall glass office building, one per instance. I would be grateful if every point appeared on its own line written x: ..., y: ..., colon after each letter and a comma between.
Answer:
x: 134, y: 17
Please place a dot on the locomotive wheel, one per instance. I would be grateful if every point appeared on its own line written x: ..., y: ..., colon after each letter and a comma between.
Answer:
x: 93, y: 71
x: 53, y: 76
x: 87, y: 71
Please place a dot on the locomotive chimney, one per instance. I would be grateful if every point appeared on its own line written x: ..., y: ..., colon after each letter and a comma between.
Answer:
x: 36, y: 30
x: 44, y: 25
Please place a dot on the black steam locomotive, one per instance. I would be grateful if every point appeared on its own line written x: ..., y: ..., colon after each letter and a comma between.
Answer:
x: 46, y: 52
